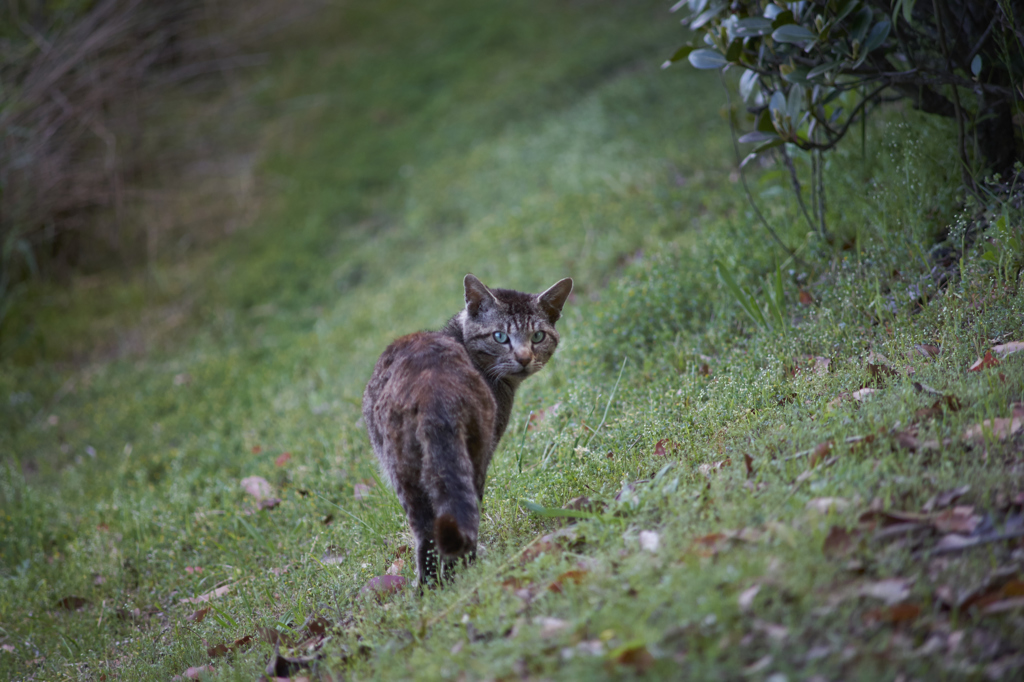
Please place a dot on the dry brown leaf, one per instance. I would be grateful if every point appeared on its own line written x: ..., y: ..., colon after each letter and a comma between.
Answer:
x: 196, y: 672
x: 198, y: 616
x: 806, y: 298
x: 538, y: 416
x: 636, y: 657
x: 945, y: 498
x: 821, y: 365
x: 748, y: 461
x: 823, y: 505
x: 960, y: 520
x: 383, y: 585
x: 907, y: 440
x: 649, y: 540
x: 212, y: 594
x: 984, y: 362
x: 1000, y: 427
x: 1003, y: 606
x: 862, y: 394
x: 282, y: 459
x: 257, y: 486
x: 575, y: 576
x: 396, y: 567
x: 746, y: 598
x: 581, y: 503
x: 73, y: 603
x: 891, y: 590
x: 820, y: 452
x: 896, y: 614
x: 1004, y: 349
x: 927, y: 350
x: 269, y: 503
x: 361, y: 491
x: 549, y: 627
x: 665, y: 446
x: 838, y: 543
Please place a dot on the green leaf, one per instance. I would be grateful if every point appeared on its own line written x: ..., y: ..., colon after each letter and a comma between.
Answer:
x: 797, y: 75
x: 753, y: 26
x: 793, y: 33
x: 764, y: 122
x: 772, y: 10
x: 682, y: 53
x: 976, y: 65
x: 748, y: 81
x: 777, y: 106
x: 795, y: 103
x: 908, y: 9
x: 783, y: 19
x: 879, y: 32
x: 861, y: 24
x: 707, y: 15
x: 745, y: 300
x: 548, y: 512
x: 821, y: 69
x: 735, y: 50
x: 707, y: 59
x: 844, y: 10
x: 757, y: 136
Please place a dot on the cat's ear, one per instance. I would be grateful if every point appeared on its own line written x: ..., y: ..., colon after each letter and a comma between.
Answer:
x: 478, y: 296
x: 552, y: 300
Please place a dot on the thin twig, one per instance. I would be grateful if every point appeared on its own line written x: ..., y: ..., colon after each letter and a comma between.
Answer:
x: 743, y: 180
x: 796, y: 186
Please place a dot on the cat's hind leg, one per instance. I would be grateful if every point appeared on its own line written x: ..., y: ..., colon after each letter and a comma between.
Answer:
x: 420, y: 513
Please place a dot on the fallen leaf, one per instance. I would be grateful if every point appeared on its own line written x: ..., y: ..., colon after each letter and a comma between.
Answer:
x: 257, y: 486
x: 944, y: 499
x: 333, y: 555
x: 281, y: 666
x: 823, y: 505
x: 549, y: 627
x: 269, y: 503
x: 891, y: 590
x: 361, y: 491
x: 820, y: 452
x: 984, y: 362
x: 805, y: 297
x: 73, y: 603
x: 1003, y: 606
x: 538, y: 416
x: 649, y: 540
x: 1004, y: 349
x: 196, y: 672
x: 879, y: 367
x: 1000, y: 427
x: 221, y: 649
x: 927, y: 350
x: 581, y: 503
x: 197, y: 616
x: 953, y: 541
x: 282, y: 459
x: 862, y: 394
x: 758, y: 665
x: 383, y: 585
x: 664, y: 446
x: 575, y: 576
x: 212, y: 594
x: 396, y: 567
x: 634, y: 656
x: 193, y: 569
x: 821, y: 365
x: 8, y: 648
x: 748, y: 461
x: 896, y: 614
x: 838, y: 543
x: 907, y: 440
x: 256, y: 449
x: 746, y: 598
x: 961, y: 520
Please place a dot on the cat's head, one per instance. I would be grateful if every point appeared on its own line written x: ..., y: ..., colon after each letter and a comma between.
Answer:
x: 509, y: 334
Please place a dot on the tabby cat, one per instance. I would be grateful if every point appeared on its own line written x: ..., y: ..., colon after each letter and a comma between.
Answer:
x: 438, y: 403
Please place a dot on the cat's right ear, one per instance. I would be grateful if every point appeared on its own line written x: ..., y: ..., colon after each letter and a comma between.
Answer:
x: 478, y: 296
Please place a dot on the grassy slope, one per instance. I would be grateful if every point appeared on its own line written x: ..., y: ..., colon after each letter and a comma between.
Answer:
x: 411, y: 145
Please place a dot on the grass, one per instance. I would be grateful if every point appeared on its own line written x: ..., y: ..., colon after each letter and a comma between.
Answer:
x: 406, y: 146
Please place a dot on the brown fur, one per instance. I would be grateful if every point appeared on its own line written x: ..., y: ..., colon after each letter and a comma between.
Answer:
x: 438, y: 403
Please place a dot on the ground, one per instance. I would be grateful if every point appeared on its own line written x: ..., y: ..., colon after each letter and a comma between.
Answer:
x: 831, y: 493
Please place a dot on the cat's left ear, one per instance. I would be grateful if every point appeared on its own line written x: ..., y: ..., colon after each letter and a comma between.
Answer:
x: 552, y: 300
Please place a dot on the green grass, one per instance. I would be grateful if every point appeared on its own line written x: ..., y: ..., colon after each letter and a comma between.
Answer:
x: 406, y: 146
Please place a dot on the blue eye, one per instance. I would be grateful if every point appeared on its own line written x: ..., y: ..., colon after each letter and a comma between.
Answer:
x: 501, y: 337
x: 538, y: 337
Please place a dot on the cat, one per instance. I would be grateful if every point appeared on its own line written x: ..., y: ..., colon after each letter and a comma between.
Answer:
x: 438, y: 403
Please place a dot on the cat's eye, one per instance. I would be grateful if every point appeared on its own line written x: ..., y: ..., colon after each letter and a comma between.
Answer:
x: 538, y: 337
x: 501, y: 337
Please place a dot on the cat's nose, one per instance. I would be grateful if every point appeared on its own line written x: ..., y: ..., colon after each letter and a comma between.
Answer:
x: 523, y: 356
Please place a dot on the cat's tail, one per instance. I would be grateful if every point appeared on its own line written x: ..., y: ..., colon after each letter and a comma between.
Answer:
x: 447, y: 475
